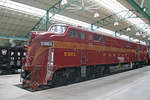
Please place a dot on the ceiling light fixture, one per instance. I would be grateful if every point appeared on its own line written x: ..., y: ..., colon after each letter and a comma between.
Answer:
x: 144, y: 9
x: 116, y: 23
x: 143, y: 36
x: 138, y: 33
x: 128, y: 29
x: 63, y: 2
x: 96, y: 15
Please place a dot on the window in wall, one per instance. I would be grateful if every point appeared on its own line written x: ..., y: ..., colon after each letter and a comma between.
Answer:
x: 127, y: 44
x: 82, y: 35
x: 102, y: 39
x: 99, y: 38
x: 73, y: 33
x: 96, y: 37
x: 90, y: 37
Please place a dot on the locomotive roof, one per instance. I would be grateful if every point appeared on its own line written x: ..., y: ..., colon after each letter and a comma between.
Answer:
x: 100, y: 33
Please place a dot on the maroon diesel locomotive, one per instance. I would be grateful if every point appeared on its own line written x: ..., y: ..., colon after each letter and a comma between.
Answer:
x: 67, y: 53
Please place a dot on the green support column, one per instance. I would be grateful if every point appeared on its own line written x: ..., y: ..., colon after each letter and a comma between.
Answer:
x: 149, y: 7
x: 47, y: 20
x: 14, y: 38
x: 55, y: 9
x: 115, y: 33
x: 138, y: 8
x: 142, y: 3
x: 110, y: 19
x: 92, y: 27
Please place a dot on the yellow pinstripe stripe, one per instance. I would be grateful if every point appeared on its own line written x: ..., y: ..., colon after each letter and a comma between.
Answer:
x: 70, y: 45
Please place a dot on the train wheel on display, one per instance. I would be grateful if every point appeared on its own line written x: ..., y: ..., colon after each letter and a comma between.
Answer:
x: 106, y: 70
x: 61, y: 77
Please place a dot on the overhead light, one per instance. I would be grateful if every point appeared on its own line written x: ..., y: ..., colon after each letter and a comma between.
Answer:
x: 116, y: 23
x: 128, y: 29
x: 63, y: 2
x: 143, y: 36
x: 138, y: 33
x: 144, y: 9
x: 131, y: 38
x: 96, y: 15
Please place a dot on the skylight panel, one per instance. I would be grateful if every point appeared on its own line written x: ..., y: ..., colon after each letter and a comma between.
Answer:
x: 115, y: 7
x: 39, y: 12
x: 21, y: 7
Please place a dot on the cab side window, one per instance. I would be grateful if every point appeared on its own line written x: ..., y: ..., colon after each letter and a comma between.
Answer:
x: 96, y: 37
x: 73, y: 33
x: 82, y: 35
x: 99, y: 38
x: 90, y: 37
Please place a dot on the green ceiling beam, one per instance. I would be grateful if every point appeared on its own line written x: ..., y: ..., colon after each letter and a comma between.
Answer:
x: 45, y: 18
x: 55, y: 9
x: 114, y: 18
x: 138, y: 8
x: 142, y: 3
x: 134, y: 29
x: 14, y: 38
x: 149, y: 7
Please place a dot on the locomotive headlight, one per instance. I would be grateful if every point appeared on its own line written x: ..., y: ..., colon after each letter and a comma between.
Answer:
x: 46, y: 43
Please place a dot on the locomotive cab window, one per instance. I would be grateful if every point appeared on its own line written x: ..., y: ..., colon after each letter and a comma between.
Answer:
x: 73, y: 33
x: 127, y: 44
x: 58, y: 29
x: 82, y: 35
x: 90, y: 37
x: 103, y: 39
x: 99, y: 38
x: 96, y: 37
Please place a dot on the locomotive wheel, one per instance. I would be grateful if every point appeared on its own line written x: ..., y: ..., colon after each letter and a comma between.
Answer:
x: 106, y: 70
x: 57, y: 78
x: 66, y: 76
x: 90, y: 72
x: 62, y: 77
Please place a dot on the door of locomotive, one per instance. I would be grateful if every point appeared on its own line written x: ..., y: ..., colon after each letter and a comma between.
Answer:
x: 83, y: 50
x: 138, y: 52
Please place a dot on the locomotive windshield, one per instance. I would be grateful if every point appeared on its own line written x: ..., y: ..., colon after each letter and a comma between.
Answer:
x: 59, y: 29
